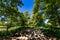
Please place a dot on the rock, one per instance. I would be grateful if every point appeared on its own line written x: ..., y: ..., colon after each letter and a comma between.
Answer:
x: 22, y: 38
x: 30, y: 34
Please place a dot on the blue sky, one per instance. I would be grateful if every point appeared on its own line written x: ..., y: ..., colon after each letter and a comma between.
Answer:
x: 28, y: 5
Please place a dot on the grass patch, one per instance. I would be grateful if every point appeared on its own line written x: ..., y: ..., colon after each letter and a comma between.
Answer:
x: 14, y: 28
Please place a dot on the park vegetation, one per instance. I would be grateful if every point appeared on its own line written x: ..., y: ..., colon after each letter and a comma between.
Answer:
x: 45, y: 15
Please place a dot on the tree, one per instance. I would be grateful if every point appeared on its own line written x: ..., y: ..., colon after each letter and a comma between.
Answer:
x: 27, y: 18
x: 51, y: 11
x: 21, y: 20
x: 8, y: 8
x: 37, y: 18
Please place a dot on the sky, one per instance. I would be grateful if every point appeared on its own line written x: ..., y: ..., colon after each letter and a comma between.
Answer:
x: 28, y: 5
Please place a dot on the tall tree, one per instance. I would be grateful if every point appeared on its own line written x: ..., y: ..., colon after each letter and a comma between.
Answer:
x: 51, y: 11
x: 37, y: 17
x: 27, y: 18
x: 8, y: 8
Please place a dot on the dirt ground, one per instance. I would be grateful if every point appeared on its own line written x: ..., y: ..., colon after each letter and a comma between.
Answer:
x: 29, y: 34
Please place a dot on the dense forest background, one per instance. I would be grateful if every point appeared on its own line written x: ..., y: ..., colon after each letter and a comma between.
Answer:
x: 45, y: 15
